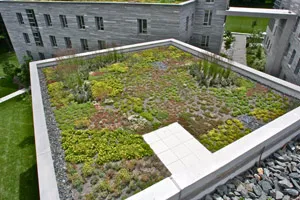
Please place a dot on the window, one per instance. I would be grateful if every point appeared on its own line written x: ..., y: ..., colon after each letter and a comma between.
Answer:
x: 48, y: 20
x: 20, y: 18
x: 292, y: 57
x: 26, y: 38
x: 37, y: 38
x: 31, y: 17
x: 80, y: 21
x: 209, y: 1
x: 268, y: 44
x: 297, y: 67
x: 297, y: 23
x: 53, y: 41
x: 287, y: 49
x: 275, y: 30
x: 99, y: 23
x: 29, y: 54
x: 68, y: 42
x: 207, y: 17
x: 42, y: 56
x: 142, y: 26
x: 84, y: 44
x: 63, y: 21
x: 204, y: 41
x: 101, y: 44
x: 193, y: 18
x: 187, y: 23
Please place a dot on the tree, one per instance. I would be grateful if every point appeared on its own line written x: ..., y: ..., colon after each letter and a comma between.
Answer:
x: 20, y: 72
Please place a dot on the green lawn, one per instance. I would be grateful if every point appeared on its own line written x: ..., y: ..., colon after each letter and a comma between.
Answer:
x: 244, y: 24
x: 18, y: 175
x: 6, y: 85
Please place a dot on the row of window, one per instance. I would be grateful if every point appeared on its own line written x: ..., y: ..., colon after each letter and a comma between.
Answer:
x: 68, y: 43
x: 142, y: 23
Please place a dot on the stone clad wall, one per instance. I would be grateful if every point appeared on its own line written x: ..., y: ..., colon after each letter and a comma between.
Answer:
x: 215, y: 31
x: 120, y: 24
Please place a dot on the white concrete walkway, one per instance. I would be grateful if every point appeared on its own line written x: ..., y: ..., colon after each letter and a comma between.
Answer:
x: 181, y: 153
x: 14, y: 94
x: 239, y: 49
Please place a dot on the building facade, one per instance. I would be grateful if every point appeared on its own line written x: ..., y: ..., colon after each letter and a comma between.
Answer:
x: 45, y: 29
x: 289, y: 44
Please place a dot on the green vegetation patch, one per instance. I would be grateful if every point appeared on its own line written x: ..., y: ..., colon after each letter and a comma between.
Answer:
x: 104, y: 146
x: 223, y: 135
x: 246, y: 24
x: 108, y: 102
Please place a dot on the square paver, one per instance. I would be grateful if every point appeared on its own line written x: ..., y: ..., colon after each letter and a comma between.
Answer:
x: 167, y: 157
x: 181, y: 151
x: 171, y: 141
x: 176, y: 167
x: 163, y: 133
x: 159, y: 147
x: 151, y: 137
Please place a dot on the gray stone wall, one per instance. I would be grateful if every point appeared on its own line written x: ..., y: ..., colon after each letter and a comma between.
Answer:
x: 215, y: 30
x: 120, y: 24
x: 288, y: 70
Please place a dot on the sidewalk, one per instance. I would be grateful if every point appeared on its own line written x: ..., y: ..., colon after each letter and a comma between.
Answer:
x: 14, y: 94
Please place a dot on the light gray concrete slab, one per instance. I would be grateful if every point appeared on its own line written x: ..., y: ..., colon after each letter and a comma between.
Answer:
x: 239, y: 49
x: 14, y: 94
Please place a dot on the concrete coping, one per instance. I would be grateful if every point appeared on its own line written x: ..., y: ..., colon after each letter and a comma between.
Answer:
x: 258, y: 12
x: 99, y: 2
x: 211, y: 169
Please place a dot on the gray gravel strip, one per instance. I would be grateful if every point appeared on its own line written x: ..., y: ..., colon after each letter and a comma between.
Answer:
x: 58, y: 156
x: 277, y: 177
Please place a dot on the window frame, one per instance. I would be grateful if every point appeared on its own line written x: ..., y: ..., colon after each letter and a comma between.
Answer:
x: 187, y: 20
x: 207, y: 17
x: 142, y: 26
x: 29, y: 54
x: 291, y: 60
x: 297, y: 68
x: 99, y: 23
x: 101, y: 44
x: 41, y: 56
x: 80, y: 22
x: 63, y: 21
x: 48, y: 20
x: 20, y: 18
x: 68, y: 42
x: 37, y: 38
x: 26, y: 38
x: 84, y: 44
x: 31, y: 18
x: 53, y: 40
x: 205, y: 43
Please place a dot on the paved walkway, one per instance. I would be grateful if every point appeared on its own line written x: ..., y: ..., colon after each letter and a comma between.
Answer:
x: 14, y: 94
x: 181, y: 153
x: 239, y: 49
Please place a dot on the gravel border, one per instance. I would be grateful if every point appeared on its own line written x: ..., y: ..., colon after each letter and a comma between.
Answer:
x: 277, y: 177
x: 58, y: 155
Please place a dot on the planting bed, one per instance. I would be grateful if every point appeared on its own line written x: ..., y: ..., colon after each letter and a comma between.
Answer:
x: 103, y: 105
